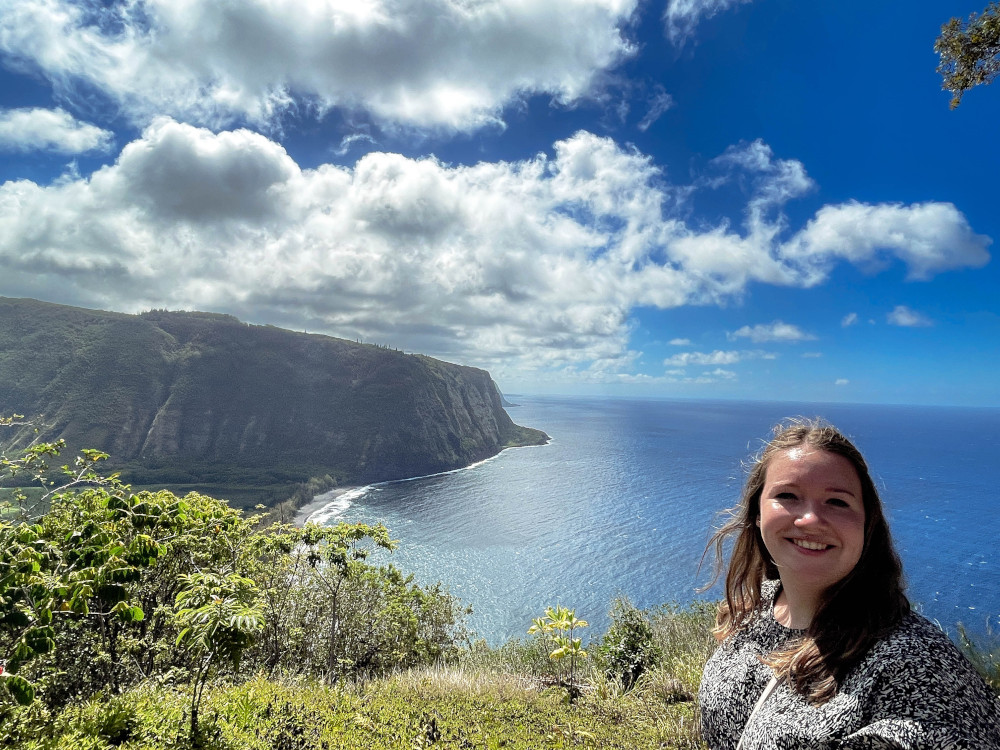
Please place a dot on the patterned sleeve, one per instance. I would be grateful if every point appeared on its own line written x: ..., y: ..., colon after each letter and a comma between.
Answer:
x: 927, y: 696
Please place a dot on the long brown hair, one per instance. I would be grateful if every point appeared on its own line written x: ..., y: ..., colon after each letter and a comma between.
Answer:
x: 853, y: 613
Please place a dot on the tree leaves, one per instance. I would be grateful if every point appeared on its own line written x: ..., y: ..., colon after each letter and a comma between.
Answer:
x: 110, y: 587
x: 22, y: 691
x: 559, y: 624
x: 970, y: 52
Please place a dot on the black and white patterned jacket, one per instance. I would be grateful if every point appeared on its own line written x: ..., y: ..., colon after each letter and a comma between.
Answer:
x: 913, y: 691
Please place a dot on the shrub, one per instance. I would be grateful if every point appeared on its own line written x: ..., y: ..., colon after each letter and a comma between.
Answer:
x: 628, y: 649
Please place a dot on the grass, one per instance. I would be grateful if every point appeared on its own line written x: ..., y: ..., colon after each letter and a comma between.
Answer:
x: 506, y: 697
x: 432, y: 707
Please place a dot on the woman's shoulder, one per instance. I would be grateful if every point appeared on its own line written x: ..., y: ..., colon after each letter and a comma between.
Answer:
x: 918, y: 636
x: 916, y: 680
x: 919, y: 650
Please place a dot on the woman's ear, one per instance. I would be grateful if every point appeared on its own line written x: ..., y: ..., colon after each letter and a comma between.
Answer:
x: 758, y: 521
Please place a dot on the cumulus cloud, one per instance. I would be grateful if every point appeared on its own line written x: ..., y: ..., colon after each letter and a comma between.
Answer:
x: 36, y: 129
x: 849, y: 319
x: 928, y: 237
x: 906, y: 317
x: 680, y: 342
x: 776, y: 331
x: 424, y: 63
x: 537, y: 263
x: 682, y: 16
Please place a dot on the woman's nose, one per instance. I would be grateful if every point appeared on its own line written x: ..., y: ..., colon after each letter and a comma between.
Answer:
x: 810, y: 514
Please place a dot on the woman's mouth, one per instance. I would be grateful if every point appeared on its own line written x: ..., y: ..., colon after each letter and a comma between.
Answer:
x: 806, y: 544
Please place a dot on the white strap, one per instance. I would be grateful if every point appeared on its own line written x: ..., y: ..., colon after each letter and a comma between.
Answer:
x: 760, y: 702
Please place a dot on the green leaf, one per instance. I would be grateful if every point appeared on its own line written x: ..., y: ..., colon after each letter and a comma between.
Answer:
x: 20, y: 689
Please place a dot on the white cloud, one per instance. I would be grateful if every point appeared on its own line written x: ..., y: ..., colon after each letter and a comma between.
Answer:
x: 425, y: 63
x: 776, y: 331
x: 902, y: 315
x: 529, y: 264
x: 682, y: 16
x: 722, y: 374
x: 658, y: 103
x: 348, y: 141
x: 775, y: 181
x: 718, y: 357
x: 680, y: 342
x: 841, y: 381
x: 849, y: 319
x: 812, y: 355
x: 928, y: 237
x: 36, y: 129
x: 533, y: 265
x: 703, y: 358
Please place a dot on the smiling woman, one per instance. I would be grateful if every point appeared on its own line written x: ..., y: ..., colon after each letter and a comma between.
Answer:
x: 819, y: 648
x: 812, y: 521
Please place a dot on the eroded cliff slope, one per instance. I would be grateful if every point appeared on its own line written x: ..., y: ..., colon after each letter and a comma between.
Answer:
x: 197, y: 395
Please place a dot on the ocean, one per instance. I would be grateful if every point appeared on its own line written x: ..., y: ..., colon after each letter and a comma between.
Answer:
x: 623, y: 499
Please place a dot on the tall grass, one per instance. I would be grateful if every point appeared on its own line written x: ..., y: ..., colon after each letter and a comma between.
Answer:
x: 503, y: 697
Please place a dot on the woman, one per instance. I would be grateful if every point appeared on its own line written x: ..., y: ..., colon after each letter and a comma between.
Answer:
x: 815, y: 626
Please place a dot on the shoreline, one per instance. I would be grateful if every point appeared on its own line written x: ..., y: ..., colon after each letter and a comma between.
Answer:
x: 330, y: 496
x: 319, y: 502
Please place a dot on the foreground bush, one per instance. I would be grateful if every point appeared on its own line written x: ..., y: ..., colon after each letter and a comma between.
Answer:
x: 110, y: 589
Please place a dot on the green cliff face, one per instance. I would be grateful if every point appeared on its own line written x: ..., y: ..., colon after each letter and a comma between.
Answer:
x: 196, y: 396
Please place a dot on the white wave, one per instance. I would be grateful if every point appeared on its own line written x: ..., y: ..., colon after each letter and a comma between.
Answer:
x: 340, y: 503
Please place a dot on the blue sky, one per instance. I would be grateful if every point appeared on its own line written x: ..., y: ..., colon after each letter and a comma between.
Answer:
x: 680, y: 198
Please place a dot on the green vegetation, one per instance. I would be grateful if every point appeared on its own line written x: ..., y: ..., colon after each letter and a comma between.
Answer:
x: 984, y: 654
x: 558, y: 626
x: 970, y: 52
x: 111, y: 590
x: 628, y: 650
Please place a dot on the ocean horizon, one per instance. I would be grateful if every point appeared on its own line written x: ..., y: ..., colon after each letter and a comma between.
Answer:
x: 623, y: 499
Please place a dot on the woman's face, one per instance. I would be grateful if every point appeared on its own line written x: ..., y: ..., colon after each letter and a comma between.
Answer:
x: 812, y: 517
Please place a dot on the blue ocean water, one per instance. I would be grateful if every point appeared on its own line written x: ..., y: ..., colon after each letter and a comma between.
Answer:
x: 623, y: 500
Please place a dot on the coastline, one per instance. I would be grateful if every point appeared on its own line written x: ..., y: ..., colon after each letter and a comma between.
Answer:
x: 318, y: 503
x: 321, y: 501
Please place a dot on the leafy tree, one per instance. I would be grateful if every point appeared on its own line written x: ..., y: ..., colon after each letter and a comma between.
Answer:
x: 219, y: 617
x: 970, y: 51
x: 329, y: 611
x: 67, y: 568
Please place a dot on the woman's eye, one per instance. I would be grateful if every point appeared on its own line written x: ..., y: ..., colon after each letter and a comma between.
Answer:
x: 785, y: 496
x: 838, y: 502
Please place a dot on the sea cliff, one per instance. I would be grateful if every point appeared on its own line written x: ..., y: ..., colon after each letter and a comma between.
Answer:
x: 189, y: 396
